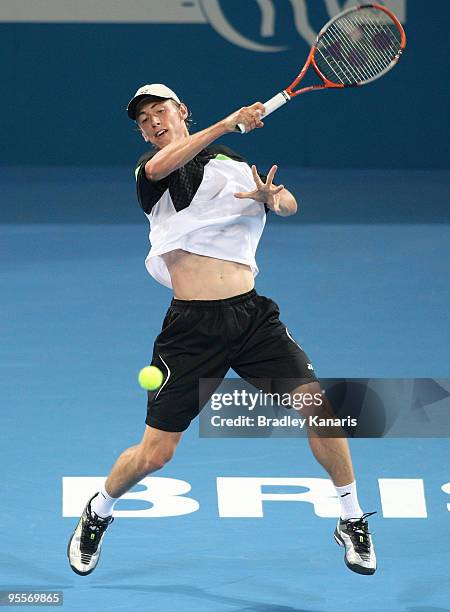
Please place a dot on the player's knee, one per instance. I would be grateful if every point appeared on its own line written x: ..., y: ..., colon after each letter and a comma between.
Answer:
x: 310, y: 400
x: 155, y: 459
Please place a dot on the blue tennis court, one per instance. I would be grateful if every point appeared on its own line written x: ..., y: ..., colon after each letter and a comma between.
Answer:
x: 79, y: 318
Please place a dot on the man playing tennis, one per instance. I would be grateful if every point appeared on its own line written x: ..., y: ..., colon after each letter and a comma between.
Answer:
x: 207, y: 210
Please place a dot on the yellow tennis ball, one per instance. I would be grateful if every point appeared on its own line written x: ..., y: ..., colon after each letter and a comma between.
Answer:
x: 150, y: 378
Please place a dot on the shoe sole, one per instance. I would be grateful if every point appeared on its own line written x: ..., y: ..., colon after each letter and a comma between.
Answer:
x: 358, y: 569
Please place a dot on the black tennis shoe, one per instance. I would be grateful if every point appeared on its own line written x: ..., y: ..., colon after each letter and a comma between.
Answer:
x: 84, y: 546
x: 354, y: 535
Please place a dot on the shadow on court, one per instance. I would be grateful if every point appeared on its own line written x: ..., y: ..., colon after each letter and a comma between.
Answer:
x: 202, y: 595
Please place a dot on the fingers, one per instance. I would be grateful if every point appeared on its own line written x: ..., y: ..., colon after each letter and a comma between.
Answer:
x: 267, y: 186
x: 259, y: 107
x: 271, y: 174
x: 256, y: 178
x: 250, y: 116
x: 264, y: 192
x: 276, y: 204
x: 241, y: 195
x: 261, y: 110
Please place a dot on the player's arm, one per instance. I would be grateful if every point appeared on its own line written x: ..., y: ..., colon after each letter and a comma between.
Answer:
x: 275, y: 197
x: 179, y: 153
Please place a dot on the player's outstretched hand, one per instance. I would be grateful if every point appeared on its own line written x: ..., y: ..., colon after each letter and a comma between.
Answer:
x: 266, y: 193
x: 249, y: 116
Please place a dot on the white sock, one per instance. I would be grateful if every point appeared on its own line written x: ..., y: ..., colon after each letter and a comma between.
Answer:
x: 348, y: 498
x: 103, y: 504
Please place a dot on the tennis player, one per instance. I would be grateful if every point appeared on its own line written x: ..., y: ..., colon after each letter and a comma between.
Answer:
x: 207, y: 210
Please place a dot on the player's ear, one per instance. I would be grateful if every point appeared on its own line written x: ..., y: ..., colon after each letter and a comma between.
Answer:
x: 183, y: 110
x: 144, y: 136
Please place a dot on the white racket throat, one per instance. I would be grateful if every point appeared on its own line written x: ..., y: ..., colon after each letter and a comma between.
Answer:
x: 270, y: 106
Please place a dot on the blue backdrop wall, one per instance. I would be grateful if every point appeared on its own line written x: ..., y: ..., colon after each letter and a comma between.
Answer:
x: 65, y: 85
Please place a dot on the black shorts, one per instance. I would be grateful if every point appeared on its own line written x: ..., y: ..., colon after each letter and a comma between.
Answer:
x: 203, y: 339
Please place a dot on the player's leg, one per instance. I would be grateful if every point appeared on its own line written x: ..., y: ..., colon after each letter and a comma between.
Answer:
x: 188, y: 330
x: 156, y: 448
x: 328, y: 444
x: 152, y: 453
x: 271, y: 353
x: 330, y: 447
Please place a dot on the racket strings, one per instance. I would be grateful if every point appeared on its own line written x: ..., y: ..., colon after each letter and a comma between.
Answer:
x: 336, y: 70
x: 372, y: 53
x: 348, y: 73
x: 350, y: 47
x: 360, y: 59
x: 358, y: 47
x: 381, y: 36
x: 363, y: 58
x: 388, y: 30
x: 335, y: 42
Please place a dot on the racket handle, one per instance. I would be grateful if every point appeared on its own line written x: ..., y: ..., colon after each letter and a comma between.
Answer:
x: 270, y: 106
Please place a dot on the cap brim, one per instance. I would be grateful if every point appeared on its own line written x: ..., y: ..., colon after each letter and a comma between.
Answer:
x: 132, y: 106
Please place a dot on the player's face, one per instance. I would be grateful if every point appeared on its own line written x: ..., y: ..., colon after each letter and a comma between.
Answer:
x: 162, y: 122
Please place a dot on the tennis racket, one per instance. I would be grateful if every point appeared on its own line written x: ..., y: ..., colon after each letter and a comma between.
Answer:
x: 354, y: 48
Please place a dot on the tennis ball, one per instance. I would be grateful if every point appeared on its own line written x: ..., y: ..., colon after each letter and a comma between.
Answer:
x: 150, y: 378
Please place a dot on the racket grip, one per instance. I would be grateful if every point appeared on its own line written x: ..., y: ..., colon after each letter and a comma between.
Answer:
x: 270, y: 106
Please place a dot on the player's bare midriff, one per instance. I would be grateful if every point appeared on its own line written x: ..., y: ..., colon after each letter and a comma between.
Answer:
x: 196, y: 277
